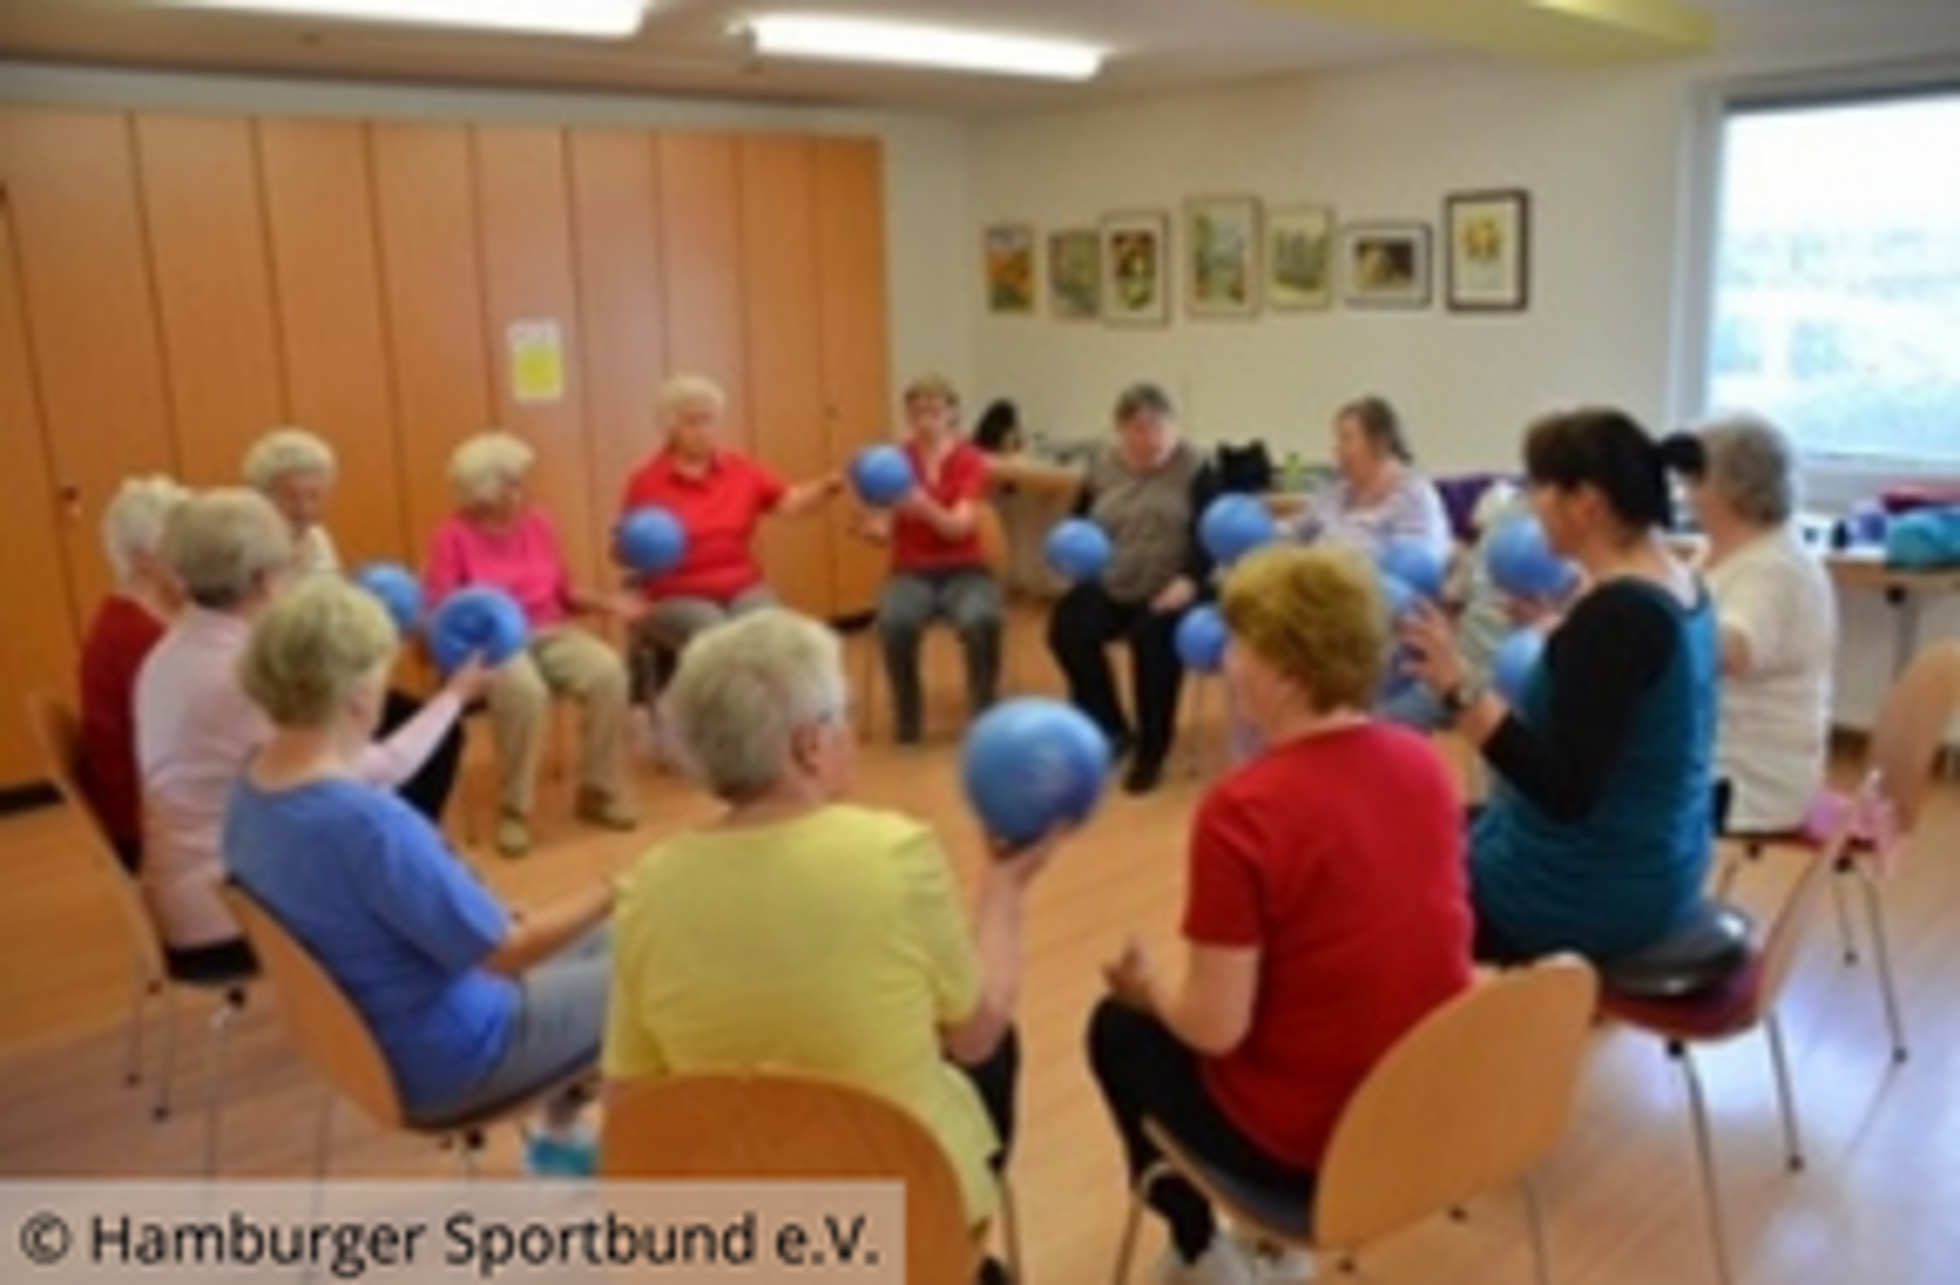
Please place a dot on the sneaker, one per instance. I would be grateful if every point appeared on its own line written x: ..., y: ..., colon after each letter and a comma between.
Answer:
x: 1224, y: 1262
x: 606, y: 810
x: 513, y: 835
x: 1142, y: 777
x: 1273, y: 1263
x: 561, y: 1155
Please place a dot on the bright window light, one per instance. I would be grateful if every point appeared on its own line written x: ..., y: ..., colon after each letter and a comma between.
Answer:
x: 858, y: 40
x: 593, y: 19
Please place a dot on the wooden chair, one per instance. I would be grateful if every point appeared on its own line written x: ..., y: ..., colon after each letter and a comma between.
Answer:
x: 765, y: 1125
x: 1472, y: 1097
x: 57, y: 733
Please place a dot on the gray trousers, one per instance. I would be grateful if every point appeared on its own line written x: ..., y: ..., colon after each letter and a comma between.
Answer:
x: 659, y: 636
x: 967, y: 599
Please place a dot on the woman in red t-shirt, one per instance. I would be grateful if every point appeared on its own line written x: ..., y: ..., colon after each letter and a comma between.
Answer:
x: 718, y: 494
x: 1326, y: 911
x: 127, y: 623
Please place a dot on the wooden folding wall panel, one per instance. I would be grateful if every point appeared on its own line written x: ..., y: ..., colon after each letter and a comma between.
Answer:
x: 701, y: 250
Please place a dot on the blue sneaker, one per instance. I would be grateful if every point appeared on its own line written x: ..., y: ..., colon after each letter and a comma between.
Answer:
x: 550, y: 1156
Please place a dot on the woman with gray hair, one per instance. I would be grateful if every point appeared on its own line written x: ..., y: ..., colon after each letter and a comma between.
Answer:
x: 497, y: 537
x: 472, y: 1005
x: 128, y: 623
x: 1778, y: 620
x: 800, y: 930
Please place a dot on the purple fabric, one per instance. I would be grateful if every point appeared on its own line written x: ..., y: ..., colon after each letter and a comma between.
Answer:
x: 1460, y: 492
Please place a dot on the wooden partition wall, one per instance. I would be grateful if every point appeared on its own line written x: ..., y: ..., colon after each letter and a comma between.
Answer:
x: 172, y: 285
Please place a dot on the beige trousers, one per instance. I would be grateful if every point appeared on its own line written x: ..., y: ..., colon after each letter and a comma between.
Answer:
x: 561, y: 660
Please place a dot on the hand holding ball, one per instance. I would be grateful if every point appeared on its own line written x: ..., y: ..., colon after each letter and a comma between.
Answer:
x: 1032, y: 764
x: 650, y: 540
x: 1077, y: 549
x: 478, y: 620
x: 881, y: 476
x: 399, y: 591
x: 1511, y: 664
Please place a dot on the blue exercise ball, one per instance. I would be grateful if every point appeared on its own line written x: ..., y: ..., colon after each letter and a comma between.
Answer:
x: 650, y: 540
x: 478, y: 620
x: 1233, y: 526
x: 1511, y: 664
x: 1077, y: 549
x: 1417, y: 563
x: 397, y: 588
x: 1399, y: 596
x: 1029, y: 765
x: 1200, y: 639
x: 881, y: 475
x: 1522, y: 563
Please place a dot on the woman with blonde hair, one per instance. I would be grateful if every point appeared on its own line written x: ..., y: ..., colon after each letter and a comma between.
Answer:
x: 1325, y: 911
x: 497, y: 537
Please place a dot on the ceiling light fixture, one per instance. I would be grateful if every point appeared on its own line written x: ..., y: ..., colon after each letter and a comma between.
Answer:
x: 910, y: 45
x: 590, y: 19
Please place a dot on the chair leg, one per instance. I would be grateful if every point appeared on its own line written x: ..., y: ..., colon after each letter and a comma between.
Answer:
x: 1705, y: 1154
x: 222, y: 1019
x: 1882, y: 952
x: 1847, y: 934
x: 1785, y: 1101
x: 1010, y: 1233
x: 1534, y: 1209
x: 1133, y: 1223
x: 167, y: 1075
x: 145, y: 989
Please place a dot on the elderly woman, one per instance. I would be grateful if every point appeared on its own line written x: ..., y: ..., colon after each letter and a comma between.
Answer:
x: 795, y: 929
x: 471, y: 1005
x: 1324, y: 912
x: 127, y: 624
x: 497, y: 537
x: 1596, y: 838
x: 1377, y: 495
x: 296, y: 470
x: 1778, y: 620
x: 938, y: 565
x: 1147, y: 490
x: 719, y: 495
x: 230, y: 552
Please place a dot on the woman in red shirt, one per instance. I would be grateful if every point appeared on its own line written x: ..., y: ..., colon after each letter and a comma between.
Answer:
x: 718, y: 494
x: 126, y: 625
x: 1326, y: 911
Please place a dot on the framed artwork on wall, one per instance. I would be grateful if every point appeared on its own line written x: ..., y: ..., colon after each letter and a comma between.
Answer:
x: 1299, y: 258
x: 1488, y: 261
x: 1135, y: 286
x: 1221, y: 256
x: 1385, y: 265
x: 1008, y: 263
x: 1074, y: 274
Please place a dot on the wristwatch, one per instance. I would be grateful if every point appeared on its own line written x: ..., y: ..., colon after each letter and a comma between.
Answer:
x: 1458, y: 699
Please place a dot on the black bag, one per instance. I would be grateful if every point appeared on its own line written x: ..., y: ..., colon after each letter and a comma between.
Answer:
x: 1246, y: 469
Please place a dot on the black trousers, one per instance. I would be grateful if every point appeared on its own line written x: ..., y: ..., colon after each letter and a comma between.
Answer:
x: 1086, y: 620
x: 428, y: 790
x: 997, y: 1079
x: 1145, y: 1071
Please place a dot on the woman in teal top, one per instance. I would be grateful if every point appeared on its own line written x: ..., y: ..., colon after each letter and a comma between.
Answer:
x: 1598, y: 832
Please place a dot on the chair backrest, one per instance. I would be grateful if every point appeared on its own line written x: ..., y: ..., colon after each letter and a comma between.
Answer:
x: 767, y: 1125
x: 1471, y: 1097
x: 319, y: 1018
x: 58, y: 733
x: 1913, y: 720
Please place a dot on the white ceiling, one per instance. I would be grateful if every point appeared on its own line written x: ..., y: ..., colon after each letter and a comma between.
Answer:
x: 685, y: 47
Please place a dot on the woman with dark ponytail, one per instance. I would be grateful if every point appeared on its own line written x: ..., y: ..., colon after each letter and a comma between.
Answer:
x: 1598, y: 832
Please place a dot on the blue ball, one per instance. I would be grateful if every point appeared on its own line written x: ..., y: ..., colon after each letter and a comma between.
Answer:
x: 650, y: 540
x: 1416, y: 563
x: 1511, y: 664
x: 1399, y: 596
x: 481, y: 619
x: 1077, y: 549
x: 1523, y: 565
x: 881, y: 475
x: 397, y: 588
x: 1233, y: 526
x: 1030, y: 764
x: 1200, y: 639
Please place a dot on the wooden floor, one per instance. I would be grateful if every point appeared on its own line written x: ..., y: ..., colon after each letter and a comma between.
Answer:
x: 1876, y: 1203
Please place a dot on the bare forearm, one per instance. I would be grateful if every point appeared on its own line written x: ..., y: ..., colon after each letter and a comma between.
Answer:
x: 539, y: 935
x: 998, y: 916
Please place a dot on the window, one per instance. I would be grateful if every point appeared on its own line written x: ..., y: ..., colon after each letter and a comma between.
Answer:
x: 1836, y: 274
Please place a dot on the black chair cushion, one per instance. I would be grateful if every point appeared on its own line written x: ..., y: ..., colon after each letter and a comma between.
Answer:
x: 1699, y: 953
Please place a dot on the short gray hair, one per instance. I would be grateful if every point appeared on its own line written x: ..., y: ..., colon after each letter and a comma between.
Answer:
x: 1143, y: 398
x: 288, y: 450
x: 742, y: 691
x: 316, y: 646
x: 482, y: 468
x: 134, y: 521
x: 1751, y: 465
x: 685, y: 390
x: 221, y: 544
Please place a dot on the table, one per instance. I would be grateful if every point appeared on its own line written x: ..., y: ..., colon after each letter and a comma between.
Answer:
x: 1905, y: 591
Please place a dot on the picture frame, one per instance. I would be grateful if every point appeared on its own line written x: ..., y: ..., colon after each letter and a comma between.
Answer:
x: 1385, y: 264
x: 1008, y: 267
x: 1136, y: 288
x: 1299, y: 256
x: 1075, y: 274
x: 1487, y: 267
x: 1221, y: 256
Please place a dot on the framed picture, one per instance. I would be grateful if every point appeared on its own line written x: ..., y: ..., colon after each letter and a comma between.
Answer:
x: 1299, y: 258
x: 1075, y: 274
x: 1221, y: 257
x: 1487, y: 266
x: 1008, y: 259
x: 1385, y: 265
x: 1135, y: 252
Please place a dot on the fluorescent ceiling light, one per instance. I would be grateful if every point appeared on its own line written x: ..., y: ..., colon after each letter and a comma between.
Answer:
x: 861, y: 40
x: 594, y: 19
